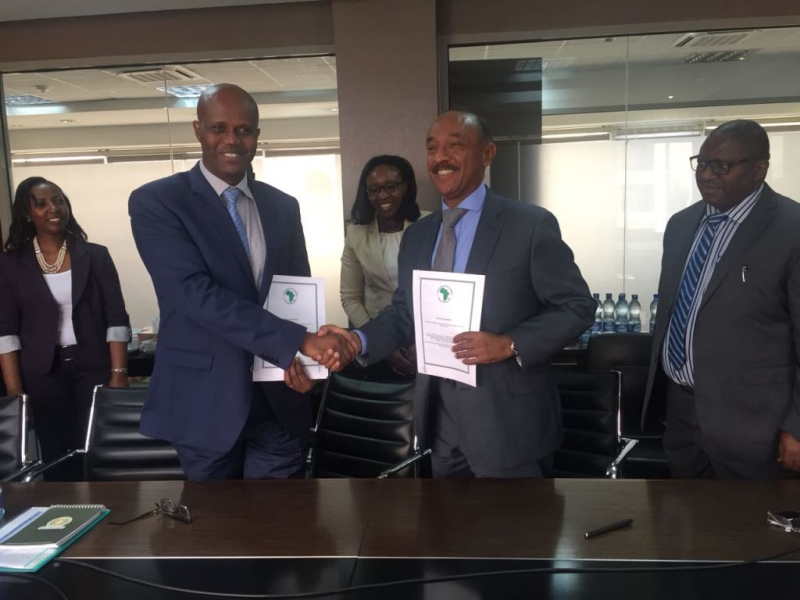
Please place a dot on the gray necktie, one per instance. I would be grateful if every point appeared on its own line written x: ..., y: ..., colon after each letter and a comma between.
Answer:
x: 446, y: 252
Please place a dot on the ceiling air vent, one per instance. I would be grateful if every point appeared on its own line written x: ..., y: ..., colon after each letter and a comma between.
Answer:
x: 713, y: 40
x: 169, y: 74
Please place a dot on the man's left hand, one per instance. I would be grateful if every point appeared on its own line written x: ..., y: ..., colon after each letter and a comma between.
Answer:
x: 296, y: 378
x: 789, y: 451
x: 480, y: 348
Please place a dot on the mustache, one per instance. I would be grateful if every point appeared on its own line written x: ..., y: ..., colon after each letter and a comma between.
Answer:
x: 440, y: 166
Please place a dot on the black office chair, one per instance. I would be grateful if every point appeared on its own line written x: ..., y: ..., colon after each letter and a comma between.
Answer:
x: 593, y: 445
x: 365, y: 429
x: 14, y: 462
x: 629, y: 354
x: 114, y: 449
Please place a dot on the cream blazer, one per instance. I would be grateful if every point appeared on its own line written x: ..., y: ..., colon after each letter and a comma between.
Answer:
x: 365, y: 287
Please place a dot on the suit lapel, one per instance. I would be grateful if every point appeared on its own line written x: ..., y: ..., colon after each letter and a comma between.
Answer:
x: 676, y: 255
x: 375, y: 250
x: 37, y: 281
x: 760, y: 216
x: 425, y: 257
x: 79, y: 255
x: 219, y: 218
x: 272, y: 235
x: 486, y: 236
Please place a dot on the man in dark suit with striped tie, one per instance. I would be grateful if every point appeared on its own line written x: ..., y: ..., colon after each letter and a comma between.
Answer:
x: 725, y: 347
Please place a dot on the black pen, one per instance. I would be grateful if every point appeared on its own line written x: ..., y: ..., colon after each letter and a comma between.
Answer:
x: 608, y: 528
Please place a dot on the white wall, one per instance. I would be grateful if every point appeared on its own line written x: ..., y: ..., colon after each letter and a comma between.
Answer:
x: 99, y: 197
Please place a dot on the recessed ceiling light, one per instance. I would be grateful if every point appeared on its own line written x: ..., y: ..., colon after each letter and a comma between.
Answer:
x: 670, y: 97
x: 68, y: 121
x: 335, y: 109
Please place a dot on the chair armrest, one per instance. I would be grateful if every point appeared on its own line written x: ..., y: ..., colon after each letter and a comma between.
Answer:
x: 613, y: 468
x: 46, y: 467
x: 419, y: 454
x: 22, y: 471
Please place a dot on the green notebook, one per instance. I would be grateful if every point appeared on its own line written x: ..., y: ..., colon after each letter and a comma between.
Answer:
x: 56, y: 526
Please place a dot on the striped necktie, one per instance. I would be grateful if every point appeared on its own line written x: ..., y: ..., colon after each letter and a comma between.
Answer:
x: 676, y: 349
x: 231, y: 195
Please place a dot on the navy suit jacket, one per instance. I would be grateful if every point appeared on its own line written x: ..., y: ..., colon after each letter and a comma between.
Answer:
x: 534, y: 293
x: 212, y: 317
x: 28, y: 309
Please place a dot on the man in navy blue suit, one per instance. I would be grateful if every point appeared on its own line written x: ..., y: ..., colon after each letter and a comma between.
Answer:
x: 212, y: 239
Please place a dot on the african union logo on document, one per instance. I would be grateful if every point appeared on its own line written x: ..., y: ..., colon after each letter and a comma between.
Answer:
x: 290, y: 295
x: 444, y: 293
x: 57, y: 523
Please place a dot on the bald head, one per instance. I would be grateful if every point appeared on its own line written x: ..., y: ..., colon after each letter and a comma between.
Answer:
x: 227, y: 129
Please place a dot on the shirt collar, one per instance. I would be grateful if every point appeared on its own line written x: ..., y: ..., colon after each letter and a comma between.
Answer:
x: 220, y: 186
x: 474, y: 201
x: 739, y: 212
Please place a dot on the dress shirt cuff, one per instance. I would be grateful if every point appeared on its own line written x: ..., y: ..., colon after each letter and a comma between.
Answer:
x: 363, y: 339
x: 9, y: 343
x: 118, y: 334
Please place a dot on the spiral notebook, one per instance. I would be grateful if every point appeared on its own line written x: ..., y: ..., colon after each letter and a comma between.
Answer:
x: 40, y: 533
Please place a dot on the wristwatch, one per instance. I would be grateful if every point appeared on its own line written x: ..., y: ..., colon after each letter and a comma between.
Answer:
x: 516, y: 353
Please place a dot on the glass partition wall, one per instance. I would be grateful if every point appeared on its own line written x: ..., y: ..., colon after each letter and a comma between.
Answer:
x: 599, y: 131
x: 102, y: 132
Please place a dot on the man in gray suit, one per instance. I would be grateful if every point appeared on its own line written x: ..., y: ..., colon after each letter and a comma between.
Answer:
x: 725, y: 347
x: 535, y: 303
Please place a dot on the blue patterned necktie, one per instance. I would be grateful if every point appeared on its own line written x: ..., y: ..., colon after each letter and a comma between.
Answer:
x: 231, y: 195
x: 691, y: 276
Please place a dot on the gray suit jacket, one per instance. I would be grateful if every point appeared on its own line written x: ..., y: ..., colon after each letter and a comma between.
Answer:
x: 534, y: 293
x: 747, y: 380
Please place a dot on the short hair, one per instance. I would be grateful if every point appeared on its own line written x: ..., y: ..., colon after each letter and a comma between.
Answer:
x: 363, y: 212
x: 752, y: 135
x: 480, y: 124
x: 21, y: 230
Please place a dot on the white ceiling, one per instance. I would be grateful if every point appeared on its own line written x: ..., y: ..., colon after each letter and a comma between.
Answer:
x: 23, y: 10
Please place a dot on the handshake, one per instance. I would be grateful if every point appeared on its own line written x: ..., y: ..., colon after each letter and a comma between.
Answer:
x: 332, y: 347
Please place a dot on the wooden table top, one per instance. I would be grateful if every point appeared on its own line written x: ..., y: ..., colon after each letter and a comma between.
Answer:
x: 673, y: 520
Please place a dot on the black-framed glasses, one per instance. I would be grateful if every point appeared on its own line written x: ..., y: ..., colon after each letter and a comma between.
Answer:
x: 179, y: 512
x: 718, y: 167
x: 390, y: 188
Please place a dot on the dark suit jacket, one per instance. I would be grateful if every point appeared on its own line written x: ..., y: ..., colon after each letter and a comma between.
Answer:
x: 747, y: 380
x: 212, y: 320
x: 28, y: 309
x: 534, y: 293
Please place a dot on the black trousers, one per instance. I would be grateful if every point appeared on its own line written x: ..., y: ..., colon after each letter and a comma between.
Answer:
x: 60, y: 402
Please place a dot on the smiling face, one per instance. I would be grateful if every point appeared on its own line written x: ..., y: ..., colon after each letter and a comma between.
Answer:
x: 457, y: 156
x: 48, y: 211
x: 723, y: 192
x: 227, y: 129
x: 385, y: 190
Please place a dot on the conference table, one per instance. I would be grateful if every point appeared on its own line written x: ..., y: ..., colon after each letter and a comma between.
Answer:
x: 272, y: 538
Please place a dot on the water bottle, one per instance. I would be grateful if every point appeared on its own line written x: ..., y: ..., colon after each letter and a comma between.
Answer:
x: 634, y: 315
x: 653, y: 311
x: 609, y: 314
x: 621, y: 321
x: 597, y: 328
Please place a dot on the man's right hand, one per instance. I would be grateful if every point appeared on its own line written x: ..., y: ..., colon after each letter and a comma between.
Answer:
x: 332, y: 347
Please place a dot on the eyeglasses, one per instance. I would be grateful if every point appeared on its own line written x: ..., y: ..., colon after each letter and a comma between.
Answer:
x: 789, y: 520
x: 389, y: 188
x: 179, y: 512
x: 718, y: 167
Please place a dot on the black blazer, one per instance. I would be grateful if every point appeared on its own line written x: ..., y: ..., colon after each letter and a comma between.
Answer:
x: 28, y: 309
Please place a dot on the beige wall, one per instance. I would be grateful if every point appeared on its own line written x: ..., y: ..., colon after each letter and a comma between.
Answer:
x: 386, y: 71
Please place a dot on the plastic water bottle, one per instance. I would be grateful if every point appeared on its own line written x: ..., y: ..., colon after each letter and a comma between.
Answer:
x: 621, y: 321
x: 609, y: 314
x: 634, y: 315
x: 597, y: 328
x: 653, y: 311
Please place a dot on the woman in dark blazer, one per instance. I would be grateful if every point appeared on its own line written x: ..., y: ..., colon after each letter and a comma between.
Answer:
x: 63, y: 324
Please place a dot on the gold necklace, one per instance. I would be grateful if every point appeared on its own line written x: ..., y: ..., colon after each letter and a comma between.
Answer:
x: 46, y: 268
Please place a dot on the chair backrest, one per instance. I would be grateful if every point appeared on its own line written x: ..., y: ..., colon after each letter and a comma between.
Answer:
x: 364, y: 427
x: 590, y: 410
x: 115, y: 450
x: 13, y: 431
x: 628, y: 353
